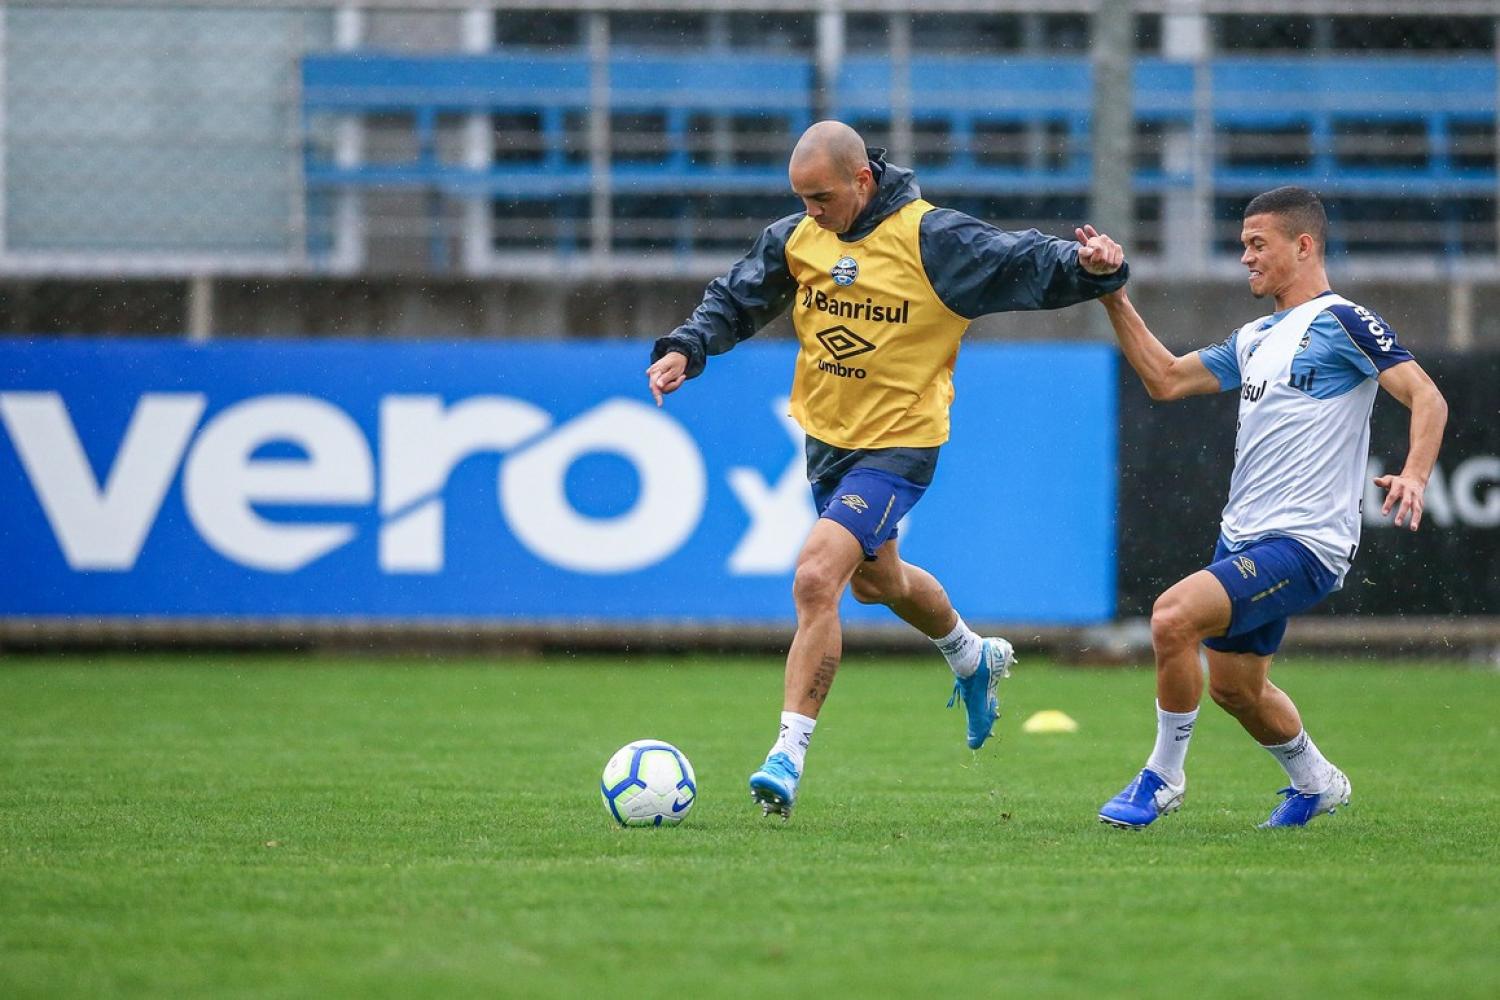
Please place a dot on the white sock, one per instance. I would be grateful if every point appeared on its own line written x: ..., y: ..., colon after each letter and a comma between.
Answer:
x: 796, y: 734
x: 1173, y: 731
x: 961, y: 648
x: 1304, y: 763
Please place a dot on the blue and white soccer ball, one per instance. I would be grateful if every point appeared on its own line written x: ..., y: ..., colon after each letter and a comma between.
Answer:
x: 648, y: 783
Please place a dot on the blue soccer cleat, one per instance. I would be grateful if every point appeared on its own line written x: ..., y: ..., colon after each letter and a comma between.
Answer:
x: 1301, y: 808
x: 978, y: 689
x: 774, y: 786
x: 1143, y: 800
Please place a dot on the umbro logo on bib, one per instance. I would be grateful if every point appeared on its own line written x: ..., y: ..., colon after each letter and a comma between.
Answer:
x: 843, y: 343
x: 845, y: 271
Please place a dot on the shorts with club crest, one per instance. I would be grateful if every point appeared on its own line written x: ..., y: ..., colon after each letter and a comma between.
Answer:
x: 869, y: 502
x: 1268, y: 581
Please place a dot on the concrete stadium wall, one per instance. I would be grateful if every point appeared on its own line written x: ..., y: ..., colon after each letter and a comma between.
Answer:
x: 1427, y: 314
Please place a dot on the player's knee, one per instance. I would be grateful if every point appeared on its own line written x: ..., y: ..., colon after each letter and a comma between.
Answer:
x: 878, y: 583
x: 1171, y: 625
x: 868, y: 591
x: 1233, y: 698
x: 815, y: 587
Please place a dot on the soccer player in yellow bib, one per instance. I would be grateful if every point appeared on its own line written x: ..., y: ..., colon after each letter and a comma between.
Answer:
x: 882, y: 286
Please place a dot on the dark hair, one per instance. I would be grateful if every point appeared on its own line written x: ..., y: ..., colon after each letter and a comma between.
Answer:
x: 1299, y: 210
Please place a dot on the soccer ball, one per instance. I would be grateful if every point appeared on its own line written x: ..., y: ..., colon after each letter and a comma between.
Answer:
x: 648, y: 783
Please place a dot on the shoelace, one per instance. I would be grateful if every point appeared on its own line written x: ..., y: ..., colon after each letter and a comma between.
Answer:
x: 1292, y: 795
x: 780, y: 768
x: 1132, y: 789
x: 957, y: 691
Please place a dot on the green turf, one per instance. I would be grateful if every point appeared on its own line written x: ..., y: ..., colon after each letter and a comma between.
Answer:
x: 228, y: 826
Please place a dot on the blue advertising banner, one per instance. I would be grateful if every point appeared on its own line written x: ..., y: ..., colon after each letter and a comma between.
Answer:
x: 521, y: 481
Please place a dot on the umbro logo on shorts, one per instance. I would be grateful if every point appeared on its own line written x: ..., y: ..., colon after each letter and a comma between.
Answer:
x: 1246, y: 566
x: 854, y: 502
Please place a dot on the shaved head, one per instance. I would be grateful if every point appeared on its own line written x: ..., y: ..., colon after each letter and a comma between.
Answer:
x: 834, y: 143
x: 830, y: 171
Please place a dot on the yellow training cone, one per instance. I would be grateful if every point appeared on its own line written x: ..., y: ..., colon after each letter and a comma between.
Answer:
x: 1050, y: 721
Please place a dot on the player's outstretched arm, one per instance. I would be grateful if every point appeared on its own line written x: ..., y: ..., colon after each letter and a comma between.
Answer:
x: 1429, y: 415
x: 977, y: 269
x: 757, y: 289
x: 1165, y: 375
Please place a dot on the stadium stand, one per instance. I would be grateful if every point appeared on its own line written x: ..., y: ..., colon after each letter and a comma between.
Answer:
x: 1384, y: 134
x: 546, y: 147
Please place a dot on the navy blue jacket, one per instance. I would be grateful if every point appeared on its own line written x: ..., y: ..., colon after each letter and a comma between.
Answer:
x: 975, y: 269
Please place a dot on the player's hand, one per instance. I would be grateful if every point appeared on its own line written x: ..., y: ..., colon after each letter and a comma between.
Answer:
x: 1098, y: 254
x: 1405, y: 494
x: 666, y: 373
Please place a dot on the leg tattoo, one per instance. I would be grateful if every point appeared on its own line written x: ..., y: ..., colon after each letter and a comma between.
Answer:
x: 823, y: 678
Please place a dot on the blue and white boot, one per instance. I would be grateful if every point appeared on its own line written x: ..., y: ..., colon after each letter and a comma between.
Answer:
x: 774, y: 786
x: 978, y: 689
x: 1142, y: 801
x: 1301, y: 808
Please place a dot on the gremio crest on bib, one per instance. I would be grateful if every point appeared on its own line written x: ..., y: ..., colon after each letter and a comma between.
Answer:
x: 845, y: 271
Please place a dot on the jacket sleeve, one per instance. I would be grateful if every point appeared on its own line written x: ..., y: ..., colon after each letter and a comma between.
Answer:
x: 757, y: 289
x: 978, y: 269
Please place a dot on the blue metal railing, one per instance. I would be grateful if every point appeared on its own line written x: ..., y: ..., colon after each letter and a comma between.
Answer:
x: 555, y: 91
x: 1423, y: 117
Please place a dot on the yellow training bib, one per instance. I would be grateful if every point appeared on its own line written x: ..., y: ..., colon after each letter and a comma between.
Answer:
x: 875, y: 369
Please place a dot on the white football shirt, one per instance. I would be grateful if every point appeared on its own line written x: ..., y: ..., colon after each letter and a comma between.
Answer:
x: 1307, y: 385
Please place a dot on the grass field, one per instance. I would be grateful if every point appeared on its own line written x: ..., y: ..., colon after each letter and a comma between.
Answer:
x: 233, y: 826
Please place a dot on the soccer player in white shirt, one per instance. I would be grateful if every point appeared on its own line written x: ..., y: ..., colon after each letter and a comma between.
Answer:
x: 1306, y: 375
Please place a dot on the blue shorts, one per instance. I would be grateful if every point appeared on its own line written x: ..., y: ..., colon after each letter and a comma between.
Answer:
x: 869, y: 502
x: 1268, y: 581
